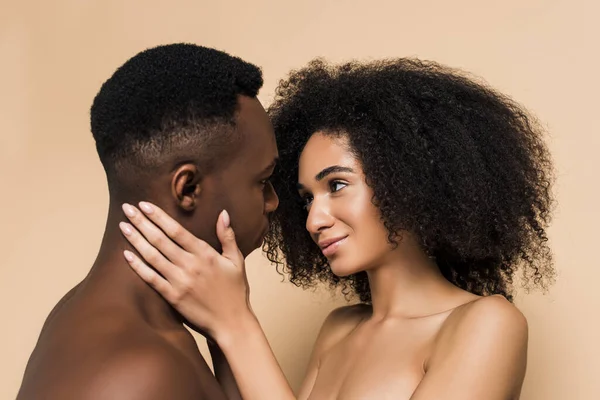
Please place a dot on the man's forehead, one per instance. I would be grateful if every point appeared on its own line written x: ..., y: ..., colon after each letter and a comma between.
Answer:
x: 253, y: 156
x: 272, y: 164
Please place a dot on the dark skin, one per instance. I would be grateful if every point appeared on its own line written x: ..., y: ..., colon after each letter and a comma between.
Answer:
x: 112, y: 336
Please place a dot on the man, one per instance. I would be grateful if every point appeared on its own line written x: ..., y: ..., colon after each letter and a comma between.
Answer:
x: 179, y: 125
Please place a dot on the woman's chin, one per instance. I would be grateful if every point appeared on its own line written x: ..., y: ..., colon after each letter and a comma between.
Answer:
x: 340, y: 271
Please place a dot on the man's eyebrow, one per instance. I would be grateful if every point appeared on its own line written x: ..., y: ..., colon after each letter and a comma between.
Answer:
x: 271, y: 166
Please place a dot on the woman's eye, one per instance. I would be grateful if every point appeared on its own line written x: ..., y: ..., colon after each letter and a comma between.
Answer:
x: 336, y: 186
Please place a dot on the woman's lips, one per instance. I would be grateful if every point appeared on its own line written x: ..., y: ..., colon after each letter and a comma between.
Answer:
x: 330, y: 247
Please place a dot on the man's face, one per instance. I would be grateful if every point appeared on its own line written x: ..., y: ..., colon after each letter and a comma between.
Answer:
x: 242, y: 187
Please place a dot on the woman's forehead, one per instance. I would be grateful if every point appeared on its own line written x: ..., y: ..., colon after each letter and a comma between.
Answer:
x: 322, y: 152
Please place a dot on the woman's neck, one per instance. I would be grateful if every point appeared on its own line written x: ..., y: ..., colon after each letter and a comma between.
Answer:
x: 409, y: 284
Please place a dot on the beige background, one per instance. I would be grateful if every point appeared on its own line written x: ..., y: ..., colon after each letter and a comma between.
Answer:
x: 55, y: 55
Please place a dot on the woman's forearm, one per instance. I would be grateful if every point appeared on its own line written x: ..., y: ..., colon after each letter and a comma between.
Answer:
x: 251, y: 359
x: 223, y: 372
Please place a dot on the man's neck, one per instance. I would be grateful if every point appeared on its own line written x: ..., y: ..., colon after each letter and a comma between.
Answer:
x: 112, y: 279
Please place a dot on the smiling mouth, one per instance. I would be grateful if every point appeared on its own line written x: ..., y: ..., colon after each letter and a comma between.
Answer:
x: 333, y: 247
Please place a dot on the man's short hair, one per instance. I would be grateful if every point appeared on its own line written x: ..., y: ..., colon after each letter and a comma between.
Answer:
x: 169, y: 103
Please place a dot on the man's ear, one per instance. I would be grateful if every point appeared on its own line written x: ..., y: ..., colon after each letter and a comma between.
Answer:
x: 185, y: 186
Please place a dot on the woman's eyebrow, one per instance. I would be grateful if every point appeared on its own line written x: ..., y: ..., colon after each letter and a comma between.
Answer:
x: 330, y: 170
x: 325, y: 172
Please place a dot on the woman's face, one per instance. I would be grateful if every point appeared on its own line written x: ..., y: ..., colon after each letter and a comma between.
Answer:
x: 342, y: 219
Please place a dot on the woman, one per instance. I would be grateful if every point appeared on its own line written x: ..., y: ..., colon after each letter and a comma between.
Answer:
x: 422, y: 193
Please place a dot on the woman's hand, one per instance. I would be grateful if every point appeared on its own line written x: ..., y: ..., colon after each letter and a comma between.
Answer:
x: 209, y: 289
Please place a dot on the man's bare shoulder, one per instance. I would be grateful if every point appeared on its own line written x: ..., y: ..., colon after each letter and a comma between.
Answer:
x: 150, y: 370
x: 113, y: 355
x: 138, y: 368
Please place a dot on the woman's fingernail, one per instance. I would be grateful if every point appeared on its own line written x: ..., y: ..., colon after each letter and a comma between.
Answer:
x: 128, y: 255
x: 226, y: 219
x: 125, y: 228
x: 128, y: 210
x: 146, y: 207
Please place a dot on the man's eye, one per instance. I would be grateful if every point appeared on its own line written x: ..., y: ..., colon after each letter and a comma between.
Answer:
x: 306, y: 201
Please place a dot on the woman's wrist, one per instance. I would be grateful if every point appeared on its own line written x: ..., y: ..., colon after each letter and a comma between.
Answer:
x: 244, y: 326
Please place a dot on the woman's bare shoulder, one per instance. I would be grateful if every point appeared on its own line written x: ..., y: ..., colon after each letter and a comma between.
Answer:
x: 348, y: 316
x: 340, y: 322
x: 480, y: 349
x: 492, y: 311
x: 490, y: 321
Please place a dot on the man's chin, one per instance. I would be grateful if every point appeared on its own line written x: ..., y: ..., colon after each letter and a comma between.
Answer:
x: 247, y: 250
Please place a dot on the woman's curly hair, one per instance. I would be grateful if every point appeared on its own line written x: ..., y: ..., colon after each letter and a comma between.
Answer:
x: 450, y: 160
